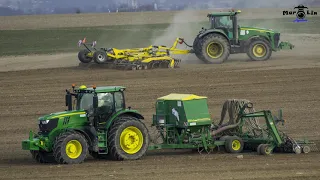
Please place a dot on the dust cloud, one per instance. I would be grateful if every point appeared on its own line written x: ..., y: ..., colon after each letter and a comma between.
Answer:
x: 181, y: 26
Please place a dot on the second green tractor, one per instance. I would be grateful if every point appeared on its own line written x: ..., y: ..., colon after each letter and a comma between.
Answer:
x: 225, y: 36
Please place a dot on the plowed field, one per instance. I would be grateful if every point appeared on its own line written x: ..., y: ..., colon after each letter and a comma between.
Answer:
x: 290, y: 80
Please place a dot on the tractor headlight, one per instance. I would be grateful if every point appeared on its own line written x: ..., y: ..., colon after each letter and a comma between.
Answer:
x: 48, y: 125
x: 44, y: 122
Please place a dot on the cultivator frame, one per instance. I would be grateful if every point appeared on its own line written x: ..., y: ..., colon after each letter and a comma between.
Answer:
x: 150, y: 57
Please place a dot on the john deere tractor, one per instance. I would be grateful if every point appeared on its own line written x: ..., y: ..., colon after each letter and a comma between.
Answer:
x: 225, y: 37
x: 96, y: 121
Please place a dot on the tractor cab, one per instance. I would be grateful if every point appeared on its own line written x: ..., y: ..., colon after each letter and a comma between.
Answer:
x: 101, y: 102
x: 227, y: 22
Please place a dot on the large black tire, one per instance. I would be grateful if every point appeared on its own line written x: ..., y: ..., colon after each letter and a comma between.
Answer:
x: 77, y: 141
x: 215, y: 42
x: 234, y: 144
x: 100, y: 57
x: 197, y: 48
x: 82, y: 56
x: 115, y: 142
x: 42, y: 156
x: 259, y: 50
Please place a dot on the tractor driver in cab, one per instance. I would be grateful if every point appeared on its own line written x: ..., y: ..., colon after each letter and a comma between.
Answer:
x: 223, y: 22
x: 105, y: 103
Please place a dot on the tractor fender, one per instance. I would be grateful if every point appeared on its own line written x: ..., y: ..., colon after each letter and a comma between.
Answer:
x: 210, y: 31
x: 85, y: 132
x: 126, y: 112
x: 248, y: 41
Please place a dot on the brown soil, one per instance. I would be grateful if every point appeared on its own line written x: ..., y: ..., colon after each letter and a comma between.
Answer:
x: 291, y: 84
x: 290, y: 80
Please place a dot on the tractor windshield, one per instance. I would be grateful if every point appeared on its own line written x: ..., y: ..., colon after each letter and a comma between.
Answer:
x: 221, y: 22
x: 105, y: 101
x: 85, y: 101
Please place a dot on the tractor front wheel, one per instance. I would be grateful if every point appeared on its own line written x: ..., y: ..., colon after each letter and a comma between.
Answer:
x: 82, y: 56
x: 259, y: 50
x: 234, y: 144
x: 70, y: 148
x: 214, y: 48
x: 42, y: 156
x: 128, y: 139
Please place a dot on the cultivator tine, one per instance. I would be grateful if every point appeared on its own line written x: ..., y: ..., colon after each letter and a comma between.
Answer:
x: 314, y: 148
x: 177, y: 63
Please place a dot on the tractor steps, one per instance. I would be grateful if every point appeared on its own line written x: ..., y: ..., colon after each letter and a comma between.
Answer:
x: 102, y: 141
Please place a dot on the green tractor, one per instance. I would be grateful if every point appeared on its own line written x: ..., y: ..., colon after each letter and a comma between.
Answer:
x: 96, y: 121
x: 225, y: 37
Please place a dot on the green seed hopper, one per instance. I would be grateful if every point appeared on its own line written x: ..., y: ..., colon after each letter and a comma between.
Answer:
x: 183, y: 121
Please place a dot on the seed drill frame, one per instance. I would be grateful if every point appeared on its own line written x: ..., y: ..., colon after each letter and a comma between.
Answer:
x: 183, y: 121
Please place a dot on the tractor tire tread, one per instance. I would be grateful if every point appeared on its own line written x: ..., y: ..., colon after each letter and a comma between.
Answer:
x: 208, y: 38
x: 259, y: 40
x: 42, y: 156
x: 57, y: 148
x: 228, y: 144
x: 82, y: 56
x: 117, y: 154
x: 95, y: 56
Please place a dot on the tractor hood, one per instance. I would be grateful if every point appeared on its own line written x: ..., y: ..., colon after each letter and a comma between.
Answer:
x: 257, y: 29
x: 62, y: 114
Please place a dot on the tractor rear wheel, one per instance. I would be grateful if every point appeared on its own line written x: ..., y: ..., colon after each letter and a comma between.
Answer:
x: 214, y: 48
x: 128, y: 139
x: 82, y: 56
x: 234, y: 144
x: 197, y: 49
x: 70, y: 148
x: 259, y: 50
x: 100, y: 57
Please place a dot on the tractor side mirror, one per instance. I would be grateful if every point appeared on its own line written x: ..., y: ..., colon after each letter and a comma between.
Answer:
x: 95, y: 101
x: 68, y: 100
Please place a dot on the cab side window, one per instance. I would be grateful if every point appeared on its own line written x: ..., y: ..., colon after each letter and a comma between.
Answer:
x: 119, y: 103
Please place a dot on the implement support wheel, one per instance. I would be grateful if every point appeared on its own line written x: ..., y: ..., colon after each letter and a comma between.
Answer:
x: 234, y: 144
x: 100, y: 57
x: 82, y: 56
x: 264, y: 149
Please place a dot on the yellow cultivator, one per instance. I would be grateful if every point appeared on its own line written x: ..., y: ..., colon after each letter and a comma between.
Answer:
x: 132, y: 59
